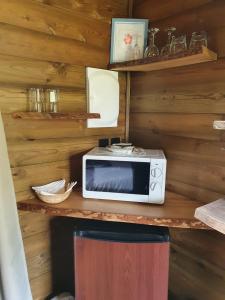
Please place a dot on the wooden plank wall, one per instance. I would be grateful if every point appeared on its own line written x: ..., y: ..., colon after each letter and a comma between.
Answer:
x: 48, y: 43
x: 174, y: 110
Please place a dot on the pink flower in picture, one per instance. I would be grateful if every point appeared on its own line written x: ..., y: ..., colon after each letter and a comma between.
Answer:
x: 128, y: 39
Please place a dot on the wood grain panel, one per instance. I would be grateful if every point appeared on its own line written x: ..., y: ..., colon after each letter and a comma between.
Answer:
x: 205, y: 17
x: 186, y: 125
x: 195, y: 192
x: 191, y: 272
x: 42, y: 130
x: 28, y: 194
x: 33, y: 224
x: 92, y: 9
x: 23, y: 153
x: 194, y: 242
x: 163, y: 9
x: 190, y: 100
x: 202, y: 78
x: 12, y: 99
x: 37, y: 251
x: 30, y: 44
x: 50, y: 20
x: 28, y: 72
x: 204, y: 151
x: 206, y: 176
x: 41, y: 286
x: 27, y: 176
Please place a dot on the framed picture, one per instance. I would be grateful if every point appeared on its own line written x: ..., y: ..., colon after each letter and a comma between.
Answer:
x: 128, y: 39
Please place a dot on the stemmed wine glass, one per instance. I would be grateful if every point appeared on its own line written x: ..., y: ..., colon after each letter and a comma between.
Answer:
x: 166, y: 50
x: 152, y: 50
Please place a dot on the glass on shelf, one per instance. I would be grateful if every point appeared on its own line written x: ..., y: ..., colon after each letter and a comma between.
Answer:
x: 152, y: 50
x: 166, y: 50
x: 52, y: 99
x: 36, y: 100
x: 40, y: 100
x: 31, y: 100
x: 178, y: 44
x: 198, y: 39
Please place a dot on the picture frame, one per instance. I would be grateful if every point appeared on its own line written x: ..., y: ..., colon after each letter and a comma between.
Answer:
x: 128, y: 39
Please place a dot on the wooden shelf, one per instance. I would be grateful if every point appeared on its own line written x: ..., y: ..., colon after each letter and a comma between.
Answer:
x: 178, y: 211
x: 55, y: 116
x: 213, y: 214
x: 166, y: 62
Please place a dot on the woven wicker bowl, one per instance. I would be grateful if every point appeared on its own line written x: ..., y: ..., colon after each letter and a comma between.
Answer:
x: 54, y: 192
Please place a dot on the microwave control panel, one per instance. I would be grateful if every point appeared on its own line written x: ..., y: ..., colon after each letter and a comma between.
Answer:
x: 157, y: 180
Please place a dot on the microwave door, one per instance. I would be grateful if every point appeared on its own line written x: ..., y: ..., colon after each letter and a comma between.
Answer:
x: 124, y: 177
x: 116, y: 179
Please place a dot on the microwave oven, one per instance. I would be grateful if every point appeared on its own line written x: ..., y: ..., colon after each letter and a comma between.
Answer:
x: 139, y: 176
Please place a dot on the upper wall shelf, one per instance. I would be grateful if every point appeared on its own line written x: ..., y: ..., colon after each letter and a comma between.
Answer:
x: 166, y: 62
x: 55, y: 116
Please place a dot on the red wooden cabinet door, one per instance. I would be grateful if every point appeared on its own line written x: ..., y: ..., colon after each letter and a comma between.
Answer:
x: 120, y: 271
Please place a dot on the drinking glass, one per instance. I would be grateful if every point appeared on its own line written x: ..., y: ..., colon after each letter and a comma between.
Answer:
x: 52, y: 98
x: 40, y: 100
x: 31, y: 100
x: 178, y: 44
x: 36, y: 100
x: 166, y: 50
x: 198, y: 39
x: 152, y: 50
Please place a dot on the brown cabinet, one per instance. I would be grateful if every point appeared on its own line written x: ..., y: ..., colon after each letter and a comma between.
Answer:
x: 121, y: 263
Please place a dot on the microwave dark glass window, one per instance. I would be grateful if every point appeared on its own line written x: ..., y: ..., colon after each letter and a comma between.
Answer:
x: 117, y: 176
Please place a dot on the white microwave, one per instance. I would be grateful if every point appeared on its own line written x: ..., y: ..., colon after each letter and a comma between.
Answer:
x: 138, y: 177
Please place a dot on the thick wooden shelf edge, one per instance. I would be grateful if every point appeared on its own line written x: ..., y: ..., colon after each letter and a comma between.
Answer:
x: 169, y: 215
x: 213, y: 214
x: 55, y: 116
x: 166, y: 62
